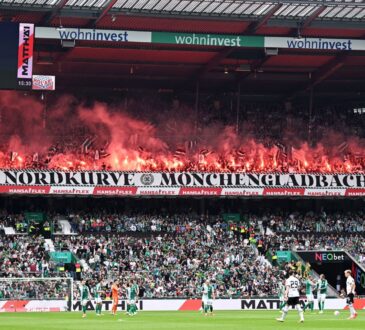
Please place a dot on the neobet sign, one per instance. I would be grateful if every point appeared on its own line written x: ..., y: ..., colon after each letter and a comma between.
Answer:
x: 329, y: 257
x: 324, y: 256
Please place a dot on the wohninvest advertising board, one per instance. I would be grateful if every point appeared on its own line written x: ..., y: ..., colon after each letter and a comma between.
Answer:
x: 111, y: 183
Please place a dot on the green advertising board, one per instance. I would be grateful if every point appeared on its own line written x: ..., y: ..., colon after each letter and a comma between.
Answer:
x: 34, y: 216
x: 200, y: 39
x: 231, y: 217
x: 284, y: 256
x: 62, y: 256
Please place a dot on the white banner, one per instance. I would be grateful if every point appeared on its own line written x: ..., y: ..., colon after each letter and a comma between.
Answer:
x: 218, y: 304
x: 164, y: 305
x: 183, y: 184
x: 315, y: 43
x: 43, y: 83
x: 33, y: 306
x: 192, y: 182
x: 121, y: 36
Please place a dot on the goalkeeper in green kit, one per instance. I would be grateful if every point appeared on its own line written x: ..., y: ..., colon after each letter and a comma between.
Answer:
x: 322, y: 285
x: 84, y: 296
x: 309, y: 285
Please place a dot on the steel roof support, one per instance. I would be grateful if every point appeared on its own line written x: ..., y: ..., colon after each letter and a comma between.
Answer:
x: 254, y: 26
x: 214, y: 61
x: 53, y: 13
x: 105, y: 11
x: 308, y: 21
x: 323, y: 73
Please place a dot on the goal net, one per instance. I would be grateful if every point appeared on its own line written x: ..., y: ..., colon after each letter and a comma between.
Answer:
x: 36, y: 294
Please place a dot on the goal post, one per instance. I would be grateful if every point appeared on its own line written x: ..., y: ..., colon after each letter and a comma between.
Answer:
x: 36, y: 294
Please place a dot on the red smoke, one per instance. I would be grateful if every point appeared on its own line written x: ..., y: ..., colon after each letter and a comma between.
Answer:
x: 62, y: 133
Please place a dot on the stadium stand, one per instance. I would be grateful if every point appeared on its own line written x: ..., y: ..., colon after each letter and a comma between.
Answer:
x: 329, y: 143
x: 104, y: 177
x: 171, y: 254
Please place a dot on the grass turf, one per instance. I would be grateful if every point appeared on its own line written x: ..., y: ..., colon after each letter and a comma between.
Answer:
x: 231, y: 320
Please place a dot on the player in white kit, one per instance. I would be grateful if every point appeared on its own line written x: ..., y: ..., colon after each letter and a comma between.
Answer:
x: 292, y: 287
x: 350, y: 293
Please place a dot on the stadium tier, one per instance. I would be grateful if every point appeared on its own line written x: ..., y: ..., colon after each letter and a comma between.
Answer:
x: 165, y: 138
x: 171, y: 254
x: 173, y: 164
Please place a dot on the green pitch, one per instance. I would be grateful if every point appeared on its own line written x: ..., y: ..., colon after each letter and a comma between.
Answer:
x: 248, y: 320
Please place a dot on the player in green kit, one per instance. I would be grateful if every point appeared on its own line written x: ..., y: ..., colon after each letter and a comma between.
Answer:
x: 205, y: 294
x: 208, y: 296
x: 84, y: 296
x: 322, y: 285
x: 281, y: 292
x: 309, y: 285
x: 97, y: 296
x: 132, y: 296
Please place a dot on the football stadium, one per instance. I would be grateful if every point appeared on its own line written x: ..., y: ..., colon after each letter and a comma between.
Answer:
x: 182, y: 164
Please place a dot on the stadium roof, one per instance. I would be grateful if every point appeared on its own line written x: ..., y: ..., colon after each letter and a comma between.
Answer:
x: 261, y: 76
x: 102, y: 65
x: 323, y: 9
x: 321, y: 13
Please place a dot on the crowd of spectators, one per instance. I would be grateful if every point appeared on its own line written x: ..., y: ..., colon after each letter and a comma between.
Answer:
x: 40, y: 289
x: 313, y: 222
x: 315, y: 231
x: 354, y: 243
x: 175, y: 264
x: 120, y: 223
x: 263, y: 138
x: 171, y: 255
x: 268, y: 161
x: 24, y: 256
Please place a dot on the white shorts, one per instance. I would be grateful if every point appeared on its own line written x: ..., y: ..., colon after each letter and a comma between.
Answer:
x: 98, y: 300
x: 281, y: 298
x: 209, y: 302
x: 322, y: 297
x: 131, y: 302
x: 84, y: 302
x: 310, y: 297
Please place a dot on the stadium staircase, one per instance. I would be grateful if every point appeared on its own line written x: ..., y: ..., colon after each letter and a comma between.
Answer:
x: 358, y: 264
x: 9, y: 231
x: 332, y: 292
x: 66, y: 228
x: 84, y: 265
x: 50, y: 245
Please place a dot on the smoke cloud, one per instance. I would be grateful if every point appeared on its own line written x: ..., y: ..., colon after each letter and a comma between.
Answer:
x: 64, y: 132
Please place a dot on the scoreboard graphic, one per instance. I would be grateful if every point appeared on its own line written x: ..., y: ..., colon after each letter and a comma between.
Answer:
x: 16, y: 55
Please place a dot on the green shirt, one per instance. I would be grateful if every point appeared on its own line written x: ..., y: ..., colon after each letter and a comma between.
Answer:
x: 132, y: 292
x: 84, y: 292
x: 135, y: 290
x: 308, y: 287
x: 281, y: 290
x: 97, y: 290
x: 210, y: 292
x: 205, y: 291
x: 322, y: 286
